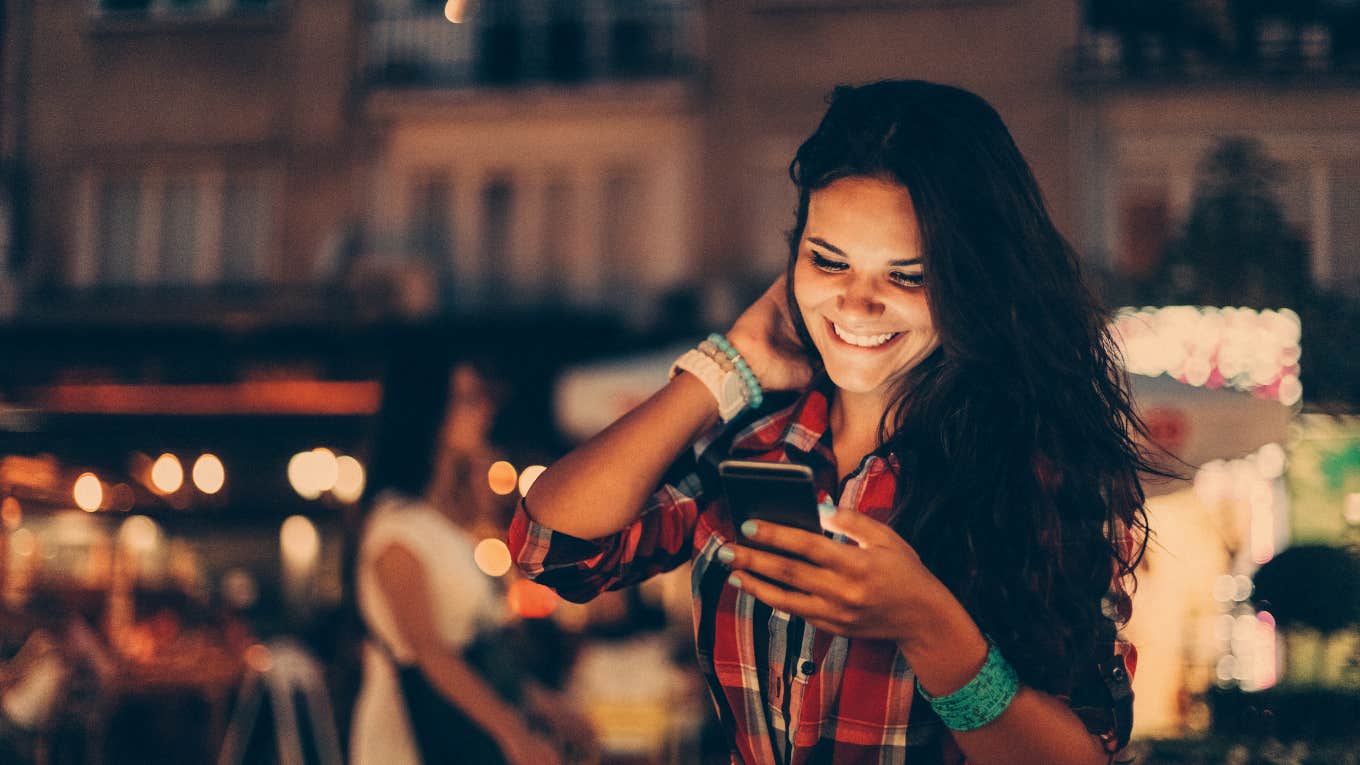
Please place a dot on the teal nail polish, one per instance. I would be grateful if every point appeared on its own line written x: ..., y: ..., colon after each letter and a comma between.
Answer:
x: 749, y: 528
x: 735, y: 581
x: 726, y: 554
x: 826, y: 508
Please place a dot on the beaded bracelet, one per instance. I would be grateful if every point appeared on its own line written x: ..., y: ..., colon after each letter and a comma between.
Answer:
x: 757, y: 396
x: 982, y: 699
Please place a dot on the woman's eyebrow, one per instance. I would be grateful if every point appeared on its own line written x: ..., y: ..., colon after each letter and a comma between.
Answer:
x: 820, y: 242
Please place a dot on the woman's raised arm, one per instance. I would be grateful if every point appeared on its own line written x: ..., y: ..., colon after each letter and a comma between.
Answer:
x: 602, y: 486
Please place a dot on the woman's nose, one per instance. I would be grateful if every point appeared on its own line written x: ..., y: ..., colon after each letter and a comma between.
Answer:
x: 860, y: 297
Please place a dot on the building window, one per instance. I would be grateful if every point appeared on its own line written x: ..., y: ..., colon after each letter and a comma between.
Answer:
x: 176, y: 230
x: 557, y: 230
x: 117, y: 222
x: 498, y: 203
x: 179, y: 245
x: 246, y: 228
x: 624, y: 245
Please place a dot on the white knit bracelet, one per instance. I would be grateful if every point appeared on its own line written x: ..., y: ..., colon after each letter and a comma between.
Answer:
x: 725, y: 384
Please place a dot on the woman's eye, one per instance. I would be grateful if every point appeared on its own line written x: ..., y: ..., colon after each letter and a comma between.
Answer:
x: 826, y: 264
x: 909, y: 280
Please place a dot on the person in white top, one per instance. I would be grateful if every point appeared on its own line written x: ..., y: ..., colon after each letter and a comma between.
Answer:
x: 425, y: 601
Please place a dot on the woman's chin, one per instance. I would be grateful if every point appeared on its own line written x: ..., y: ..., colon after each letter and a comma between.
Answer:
x: 854, y: 381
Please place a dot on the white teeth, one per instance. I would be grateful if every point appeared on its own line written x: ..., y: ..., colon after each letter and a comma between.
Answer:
x: 864, y: 341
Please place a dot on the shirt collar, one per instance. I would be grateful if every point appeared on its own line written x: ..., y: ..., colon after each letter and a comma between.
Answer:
x: 803, y: 426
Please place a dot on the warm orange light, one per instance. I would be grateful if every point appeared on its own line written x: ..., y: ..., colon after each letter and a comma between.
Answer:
x: 531, y: 600
x: 209, y: 473
x: 492, y: 557
x: 88, y: 492
x: 349, y: 479
x: 502, y: 477
x: 258, y: 658
x: 23, y: 543
x: 11, y: 512
x: 527, y: 478
x: 140, y: 534
x: 299, y: 541
x: 303, y: 475
x: 167, y: 475
x: 327, y: 468
x: 121, y: 497
x: 456, y: 11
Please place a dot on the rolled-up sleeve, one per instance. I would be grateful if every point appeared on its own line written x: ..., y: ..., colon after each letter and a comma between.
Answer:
x: 579, y: 569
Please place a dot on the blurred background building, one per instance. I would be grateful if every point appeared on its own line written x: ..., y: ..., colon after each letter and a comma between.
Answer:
x: 216, y: 214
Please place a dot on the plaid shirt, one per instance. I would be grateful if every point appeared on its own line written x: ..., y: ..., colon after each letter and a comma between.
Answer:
x: 785, y: 691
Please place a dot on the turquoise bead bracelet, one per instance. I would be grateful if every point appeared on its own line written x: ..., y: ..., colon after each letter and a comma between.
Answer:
x: 982, y: 699
x: 755, y: 395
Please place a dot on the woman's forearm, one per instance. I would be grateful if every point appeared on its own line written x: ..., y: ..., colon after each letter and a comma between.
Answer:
x: 601, y: 486
x: 458, y: 682
x: 1035, y: 729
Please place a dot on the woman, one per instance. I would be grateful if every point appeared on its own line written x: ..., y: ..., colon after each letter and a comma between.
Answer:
x: 933, y: 355
x: 437, y: 685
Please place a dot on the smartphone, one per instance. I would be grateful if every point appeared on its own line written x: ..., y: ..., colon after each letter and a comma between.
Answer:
x: 770, y: 491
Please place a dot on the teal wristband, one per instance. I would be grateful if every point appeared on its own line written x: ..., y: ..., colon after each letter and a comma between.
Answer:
x: 755, y: 395
x: 982, y: 699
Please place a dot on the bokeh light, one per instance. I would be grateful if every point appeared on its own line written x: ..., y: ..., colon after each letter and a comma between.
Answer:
x: 12, y: 513
x: 305, y: 475
x: 492, y: 557
x: 299, y: 542
x: 23, y: 543
x: 502, y: 477
x: 88, y: 492
x: 239, y: 588
x: 259, y: 658
x: 122, y: 498
x: 527, y: 478
x: 140, y: 534
x: 327, y: 468
x: 167, y: 475
x: 209, y: 473
x: 349, y: 479
x: 531, y: 600
x: 456, y: 11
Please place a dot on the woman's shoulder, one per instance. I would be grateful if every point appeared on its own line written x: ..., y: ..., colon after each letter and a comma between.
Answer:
x: 412, y: 523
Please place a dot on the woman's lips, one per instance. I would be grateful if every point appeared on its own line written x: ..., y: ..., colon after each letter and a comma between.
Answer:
x: 835, y: 331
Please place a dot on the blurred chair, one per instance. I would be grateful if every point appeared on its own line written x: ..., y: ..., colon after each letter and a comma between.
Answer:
x: 287, y: 677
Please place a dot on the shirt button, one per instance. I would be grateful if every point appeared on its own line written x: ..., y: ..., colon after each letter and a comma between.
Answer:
x: 808, y: 668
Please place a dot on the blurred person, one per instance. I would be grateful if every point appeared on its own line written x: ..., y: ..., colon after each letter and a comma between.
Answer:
x: 55, y: 693
x: 933, y: 355
x: 443, y: 680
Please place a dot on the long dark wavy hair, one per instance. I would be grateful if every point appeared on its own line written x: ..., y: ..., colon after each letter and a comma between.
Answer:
x: 1015, y: 440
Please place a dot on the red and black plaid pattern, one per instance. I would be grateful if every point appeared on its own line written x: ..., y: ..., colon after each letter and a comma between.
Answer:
x: 785, y: 691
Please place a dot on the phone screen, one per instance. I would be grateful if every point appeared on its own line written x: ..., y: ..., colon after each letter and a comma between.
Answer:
x: 770, y: 491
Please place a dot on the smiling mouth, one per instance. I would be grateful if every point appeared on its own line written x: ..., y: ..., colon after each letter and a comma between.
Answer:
x: 862, y: 341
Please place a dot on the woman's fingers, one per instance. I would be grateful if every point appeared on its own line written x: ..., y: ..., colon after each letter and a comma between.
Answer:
x: 814, y: 548
x: 797, y: 574
x: 810, y: 607
x: 865, y: 531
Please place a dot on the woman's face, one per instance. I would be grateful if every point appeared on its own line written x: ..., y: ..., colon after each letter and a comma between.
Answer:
x: 859, y: 283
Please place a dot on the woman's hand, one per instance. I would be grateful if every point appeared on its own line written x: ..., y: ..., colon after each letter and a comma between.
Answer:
x: 877, y: 588
x: 765, y: 337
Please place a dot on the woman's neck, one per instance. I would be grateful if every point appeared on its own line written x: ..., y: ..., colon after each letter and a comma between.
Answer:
x: 855, y: 419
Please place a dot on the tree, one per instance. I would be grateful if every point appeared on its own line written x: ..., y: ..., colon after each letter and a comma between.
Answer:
x: 1236, y: 248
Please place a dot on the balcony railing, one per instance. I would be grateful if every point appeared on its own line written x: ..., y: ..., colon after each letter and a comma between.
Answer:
x: 412, y: 47
x: 1184, y: 41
